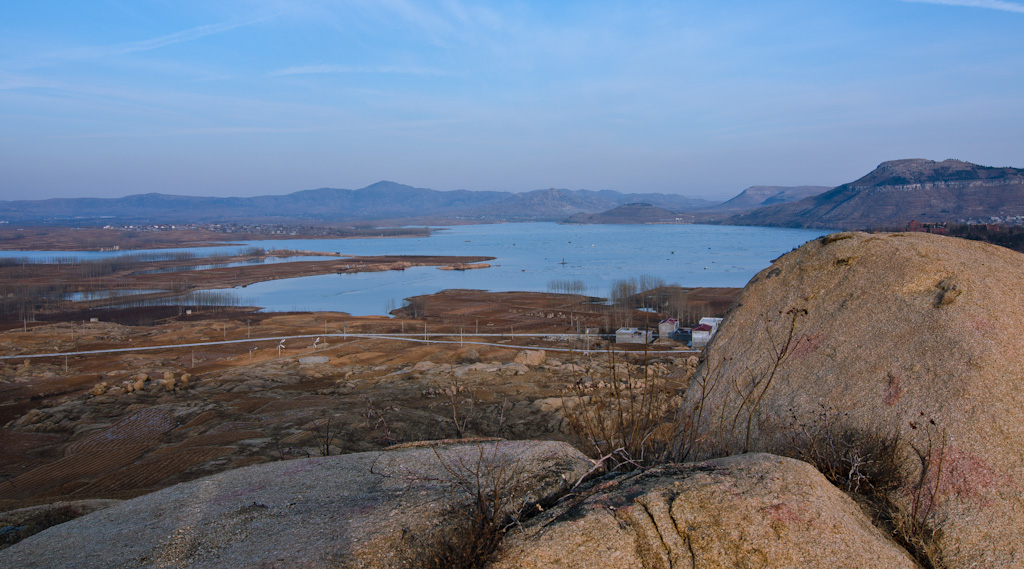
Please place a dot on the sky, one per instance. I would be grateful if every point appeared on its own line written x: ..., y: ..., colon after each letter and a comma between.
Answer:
x: 108, y: 98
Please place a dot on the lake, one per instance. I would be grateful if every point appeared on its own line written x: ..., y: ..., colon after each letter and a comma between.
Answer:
x: 528, y: 257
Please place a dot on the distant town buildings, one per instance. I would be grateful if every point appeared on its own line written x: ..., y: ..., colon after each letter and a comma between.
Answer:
x: 937, y: 228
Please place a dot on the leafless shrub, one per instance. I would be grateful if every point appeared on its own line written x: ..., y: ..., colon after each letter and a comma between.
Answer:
x: 416, y: 307
x: 862, y: 463
x: 914, y: 525
x: 731, y: 425
x: 323, y: 436
x: 870, y: 467
x: 376, y: 421
x: 573, y: 287
x: 461, y: 406
x: 495, y: 488
x: 626, y: 422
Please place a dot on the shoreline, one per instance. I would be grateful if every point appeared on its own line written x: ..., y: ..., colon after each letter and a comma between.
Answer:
x: 68, y: 239
x: 49, y: 283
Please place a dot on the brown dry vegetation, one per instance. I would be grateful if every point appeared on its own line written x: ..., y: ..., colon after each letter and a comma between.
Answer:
x: 28, y: 289
x: 91, y: 238
x: 64, y: 438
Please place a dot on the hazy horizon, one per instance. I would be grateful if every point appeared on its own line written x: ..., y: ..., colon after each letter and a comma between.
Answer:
x: 245, y: 98
x: 286, y: 192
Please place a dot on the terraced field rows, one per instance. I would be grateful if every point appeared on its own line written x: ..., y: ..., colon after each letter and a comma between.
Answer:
x: 142, y: 427
x: 148, y: 473
x: 81, y: 465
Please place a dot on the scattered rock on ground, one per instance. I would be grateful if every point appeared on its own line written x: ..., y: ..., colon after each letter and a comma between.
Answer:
x: 424, y: 366
x: 470, y: 356
x: 531, y: 357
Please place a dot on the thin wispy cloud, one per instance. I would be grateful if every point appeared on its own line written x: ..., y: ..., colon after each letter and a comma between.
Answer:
x: 93, y: 52
x: 11, y: 82
x: 245, y: 130
x: 522, y: 92
x: 315, y: 69
x: 227, y: 130
x: 987, y: 4
x: 431, y: 23
x: 190, y: 34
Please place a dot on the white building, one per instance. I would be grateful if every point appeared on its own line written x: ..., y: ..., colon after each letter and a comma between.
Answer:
x: 633, y: 336
x: 667, y: 328
x: 702, y: 334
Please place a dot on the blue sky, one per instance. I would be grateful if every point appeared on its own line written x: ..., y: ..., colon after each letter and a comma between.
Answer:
x: 115, y: 97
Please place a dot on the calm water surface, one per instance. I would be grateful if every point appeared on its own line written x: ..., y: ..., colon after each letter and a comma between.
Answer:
x: 528, y: 257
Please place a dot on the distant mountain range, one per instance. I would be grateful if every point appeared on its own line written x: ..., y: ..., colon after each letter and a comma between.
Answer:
x: 380, y: 201
x: 901, y: 191
x: 892, y: 195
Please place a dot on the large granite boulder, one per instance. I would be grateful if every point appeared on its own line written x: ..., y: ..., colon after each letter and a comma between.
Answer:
x: 914, y: 336
x: 16, y: 525
x: 754, y: 510
x: 393, y: 508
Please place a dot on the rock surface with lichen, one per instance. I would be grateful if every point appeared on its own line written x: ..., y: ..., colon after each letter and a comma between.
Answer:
x: 748, y: 511
x: 393, y: 508
x: 908, y: 335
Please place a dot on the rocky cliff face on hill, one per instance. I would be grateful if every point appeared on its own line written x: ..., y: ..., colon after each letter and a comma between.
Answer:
x: 676, y: 211
x: 900, y: 191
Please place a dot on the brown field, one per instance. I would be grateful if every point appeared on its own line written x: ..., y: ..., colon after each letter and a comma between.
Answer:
x: 38, y: 288
x: 95, y: 239
x: 71, y: 429
x: 122, y: 424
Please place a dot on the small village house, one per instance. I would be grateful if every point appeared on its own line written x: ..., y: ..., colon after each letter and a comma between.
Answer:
x: 701, y: 335
x: 667, y: 329
x: 633, y: 336
x: 713, y: 322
